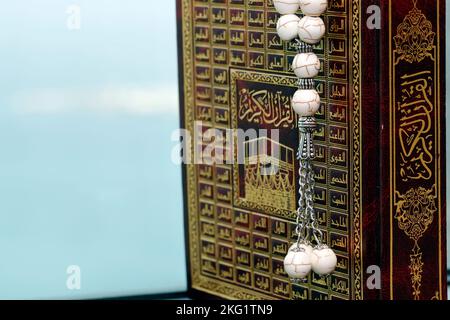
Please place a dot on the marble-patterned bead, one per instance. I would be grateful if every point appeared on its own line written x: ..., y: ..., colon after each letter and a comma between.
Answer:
x: 311, y: 29
x: 313, y: 8
x: 287, y: 27
x: 323, y: 261
x: 286, y: 6
x: 306, y: 102
x: 297, y: 264
x: 306, y: 65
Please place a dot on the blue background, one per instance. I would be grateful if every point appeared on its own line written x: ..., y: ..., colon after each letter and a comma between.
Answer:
x: 86, y: 177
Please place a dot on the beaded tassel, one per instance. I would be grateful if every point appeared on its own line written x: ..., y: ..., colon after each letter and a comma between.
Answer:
x: 309, y: 252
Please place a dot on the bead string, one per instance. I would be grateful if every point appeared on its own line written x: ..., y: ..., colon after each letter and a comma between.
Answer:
x: 302, y: 257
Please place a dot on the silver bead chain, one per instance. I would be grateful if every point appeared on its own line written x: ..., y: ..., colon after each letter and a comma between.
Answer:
x: 302, y: 218
x: 309, y: 253
x: 307, y: 225
x: 315, y: 232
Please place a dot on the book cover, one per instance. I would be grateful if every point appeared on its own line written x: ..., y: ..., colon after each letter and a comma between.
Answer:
x: 380, y: 164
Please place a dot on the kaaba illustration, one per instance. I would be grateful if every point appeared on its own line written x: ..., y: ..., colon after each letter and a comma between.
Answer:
x: 269, y: 174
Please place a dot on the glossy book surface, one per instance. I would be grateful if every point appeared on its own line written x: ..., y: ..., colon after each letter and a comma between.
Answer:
x: 380, y: 163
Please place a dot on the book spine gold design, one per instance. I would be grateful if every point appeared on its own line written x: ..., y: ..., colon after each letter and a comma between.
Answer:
x: 415, y: 144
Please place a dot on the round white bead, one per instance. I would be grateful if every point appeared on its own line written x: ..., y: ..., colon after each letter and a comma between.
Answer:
x: 287, y: 27
x: 306, y: 102
x: 286, y: 6
x: 306, y: 65
x: 308, y: 249
x: 297, y: 264
x: 313, y: 8
x: 311, y: 29
x: 323, y: 261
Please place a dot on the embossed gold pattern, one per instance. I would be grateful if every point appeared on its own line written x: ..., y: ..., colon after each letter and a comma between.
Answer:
x: 415, y: 38
x: 415, y: 211
x: 237, y: 253
x: 416, y: 270
x: 260, y: 106
x: 414, y: 111
x: 270, y: 189
x: 416, y: 125
x: 239, y: 110
x: 356, y: 86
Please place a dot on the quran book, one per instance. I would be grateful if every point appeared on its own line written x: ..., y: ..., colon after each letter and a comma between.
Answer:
x: 380, y: 149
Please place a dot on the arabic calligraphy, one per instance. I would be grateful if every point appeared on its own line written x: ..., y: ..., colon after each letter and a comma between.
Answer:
x: 224, y: 43
x: 416, y: 108
x: 265, y: 107
x: 414, y: 128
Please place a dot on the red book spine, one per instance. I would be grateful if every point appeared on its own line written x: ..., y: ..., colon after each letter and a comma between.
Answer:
x: 412, y: 114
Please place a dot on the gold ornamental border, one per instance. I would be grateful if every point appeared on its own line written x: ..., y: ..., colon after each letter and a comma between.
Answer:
x: 228, y: 290
x: 257, y: 77
x: 357, y: 145
x: 415, y: 265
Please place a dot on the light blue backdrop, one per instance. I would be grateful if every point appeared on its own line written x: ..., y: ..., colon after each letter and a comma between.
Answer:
x: 86, y: 178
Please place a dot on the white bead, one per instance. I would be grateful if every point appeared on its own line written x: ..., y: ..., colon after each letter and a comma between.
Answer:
x: 287, y: 27
x: 313, y: 8
x: 286, y: 6
x: 308, y: 249
x: 323, y: 261
x: 297, y: 264
x: 306, y: 65
x: 306, y: 102
x: 311, y: 29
